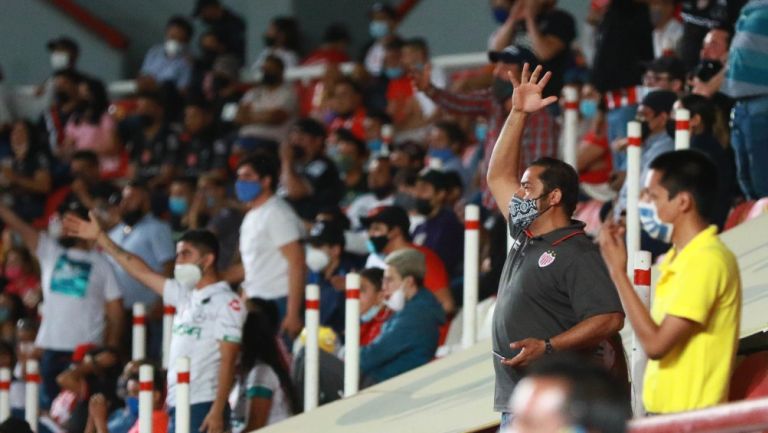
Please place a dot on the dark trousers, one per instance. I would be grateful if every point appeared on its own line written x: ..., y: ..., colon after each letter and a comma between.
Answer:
x: 52, y: 363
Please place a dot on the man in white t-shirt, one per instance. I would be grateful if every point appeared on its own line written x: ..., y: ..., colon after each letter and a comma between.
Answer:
x: 82, y: 299
x: 271, y: 255
x: 208, y: 324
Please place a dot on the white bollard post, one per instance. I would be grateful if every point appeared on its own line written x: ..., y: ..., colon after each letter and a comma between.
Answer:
x: 352, y: 336
x: 146, y: 379
x: 571, y: 126
x: 638, y: 358
x: 471, y: 274
x: 312, y: 349
x: 182, y: 395
x: 5, y: 393
x: 635, y: 141
x: 32, y: 394
x: 387, y: 133
x: 682, y: 129
x: 139, y: 346
x: 168, y: 312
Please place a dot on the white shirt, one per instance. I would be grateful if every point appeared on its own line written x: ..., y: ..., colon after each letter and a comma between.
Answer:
x: 260, y: 98
x: 667, y: 38
x: 204, y: 317
x: 264, y: 230
x: 374, y: 58
x: 289, y: 58
x: 76, y: 285
x: 261, y: 382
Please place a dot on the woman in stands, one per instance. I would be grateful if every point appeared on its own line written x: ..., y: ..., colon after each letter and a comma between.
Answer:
x: 264, y: 392
x: 27, y: 175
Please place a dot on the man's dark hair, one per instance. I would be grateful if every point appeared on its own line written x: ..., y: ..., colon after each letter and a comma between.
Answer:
x: 276, y: 60
x: 394, y: 44
x: 204, y: 241
x: 189, y: 182
x: 140, y: 185
x: 336, y: 32
x: 596, y: 401
x: 693, y: 172
x: 560, y: 175
x: 155, y: 96
x: 69, y: 74
x: 311, y: 127
x: 351, y: 83
x: 379, y: 116
x: 374, y: 275
x: 87, y: 156
x: 265, y: 164
x: 183, y: 23
x: 702, y: 106
x: 345, y: 135
x: 199, y: 102
x: 454, y: 132
x: 15, y: 425
x: 419, y: 44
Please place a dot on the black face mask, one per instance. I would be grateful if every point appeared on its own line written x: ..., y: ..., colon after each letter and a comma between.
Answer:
x: 270, y: 79
x: 379, y: 243
x: 424, y: 206
x: 269, y: 41
x: 502, y: 90
x: 131, y: 217
x: 145, y: 119
x: 67, y: 241
x: 381, y: 192
x: 706, y: 69
x: 671, y: 127
x: 62, y: 97
x: 645, y: 130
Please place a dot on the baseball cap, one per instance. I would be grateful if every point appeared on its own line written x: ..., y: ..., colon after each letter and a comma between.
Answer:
x: 326, y: 233
x: 667, y: 64
x: 436, y: 178
x: 660, y: 101
x: 391, y: 216
x: 63, y: 42
x: 513, y: 54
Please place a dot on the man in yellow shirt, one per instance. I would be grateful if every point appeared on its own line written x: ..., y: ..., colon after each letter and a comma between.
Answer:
x: 691, y: 334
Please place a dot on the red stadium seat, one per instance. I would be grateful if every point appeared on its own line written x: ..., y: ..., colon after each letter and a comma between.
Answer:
x: 738, y: 214
x: 750, y: 378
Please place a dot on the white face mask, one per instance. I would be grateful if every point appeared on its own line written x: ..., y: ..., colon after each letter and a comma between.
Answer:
x: 396, y: 301
x: 652, y: 224
x: 173, y: 47
x: 59, y: 60
x: 316, y: 259
x: 187, y: 274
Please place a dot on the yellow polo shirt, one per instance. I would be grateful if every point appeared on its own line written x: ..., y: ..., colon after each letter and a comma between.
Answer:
x: 699, y: 283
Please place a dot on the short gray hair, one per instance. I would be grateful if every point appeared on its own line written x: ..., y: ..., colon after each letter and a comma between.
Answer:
x: 408, y: 262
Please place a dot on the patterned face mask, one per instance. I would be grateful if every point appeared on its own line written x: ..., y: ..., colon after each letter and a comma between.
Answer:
x: 522, y: 212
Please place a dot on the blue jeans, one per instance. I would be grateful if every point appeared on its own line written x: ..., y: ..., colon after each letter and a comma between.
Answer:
x: 197, y: 414
x: 749, y: 138
x: 617, y: 128
x: 52, y: 363
x: 506, y: 422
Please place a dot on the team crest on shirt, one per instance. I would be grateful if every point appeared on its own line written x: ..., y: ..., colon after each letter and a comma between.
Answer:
x: 546, y: 259
x: 235, y: 305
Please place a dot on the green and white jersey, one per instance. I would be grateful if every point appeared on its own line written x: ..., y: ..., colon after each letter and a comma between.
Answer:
x: 204, y: 317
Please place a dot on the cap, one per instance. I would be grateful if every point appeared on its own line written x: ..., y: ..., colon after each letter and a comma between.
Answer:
x: 436, y: 178
x: 64, y: 42
x: 660, y: 101
x: 513, y: 54
x: 202, y: 4
x: 392, y: 216
x: 326, y: 233
x: 667, y: 64
x: 227, y: 65
x: 408, y: 262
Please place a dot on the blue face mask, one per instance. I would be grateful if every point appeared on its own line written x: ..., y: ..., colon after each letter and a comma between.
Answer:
x: 370, y: 314
x: 393, y: 73
x: 378, y: 29
x: 178, y: 205
x: 132, y: 403
x: 210, y: 201
x: 481, y: 132
x: 374, y: 146
x: 441, y: 154
x: 588, y: 108
x: 247, y: 190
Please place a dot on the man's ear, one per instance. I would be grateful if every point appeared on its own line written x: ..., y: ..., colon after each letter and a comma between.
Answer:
x: 555, y: 197
x: 685, y: 201
x: 209, y: 260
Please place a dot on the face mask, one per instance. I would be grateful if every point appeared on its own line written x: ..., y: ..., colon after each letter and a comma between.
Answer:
x: 500, y: 14
x: 396, y: 301
x: 374, y: 146
x: 173, y: 47
x: 502, y: 90
x: 442, y: 154
x: 424, y: 206
x: 270, y: 79
x: 67, y: 242
x: 343, y: 162
x: 707, y: 69
x: 269, y: 41
x: 393, y: 73
x: 61, y: 97
x: 247, y: 190
x: 132, y: 403
x: 652, y: 224
x: 588, y: 108
x: 523, y: 212
x: 378, y: 29
x: 178, y: 205
x: 481, y: 132
x: 376, y: 244
x: 59, y: 60
x: 370, y: 314
x: 131, y: 217
x: 210, y: 201
x: 316, y: 259
x: 13, y: 272
x: 187, y: 274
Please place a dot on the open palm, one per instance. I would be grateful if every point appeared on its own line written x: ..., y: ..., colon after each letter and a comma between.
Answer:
x: 527, y: 94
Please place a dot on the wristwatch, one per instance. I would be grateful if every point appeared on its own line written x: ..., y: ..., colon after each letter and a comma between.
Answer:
x: 548, y: 347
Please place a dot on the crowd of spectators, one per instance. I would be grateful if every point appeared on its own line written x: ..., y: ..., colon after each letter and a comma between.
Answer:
x: 301, y: 183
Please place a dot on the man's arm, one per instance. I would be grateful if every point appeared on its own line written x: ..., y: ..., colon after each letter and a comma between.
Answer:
x: 504, y: 165
x: 214, y: 421
x: 295, y: 186
x: 473, y: 104
x: 115, y: 317
x: 131, y: 263
x: 294, y: 255
x: 28, y: 234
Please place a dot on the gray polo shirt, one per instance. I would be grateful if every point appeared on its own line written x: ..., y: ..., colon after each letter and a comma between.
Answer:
x: 549, y: 284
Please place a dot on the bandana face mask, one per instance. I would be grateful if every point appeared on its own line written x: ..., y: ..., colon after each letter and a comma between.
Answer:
x: 522, y: 212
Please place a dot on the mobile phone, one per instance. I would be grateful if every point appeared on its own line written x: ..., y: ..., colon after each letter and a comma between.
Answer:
x: 498, y: 355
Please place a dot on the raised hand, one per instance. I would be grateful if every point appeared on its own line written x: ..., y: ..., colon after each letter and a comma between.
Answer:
x: 612, y: 246
x: 527, y: 95
x: 88, y: 230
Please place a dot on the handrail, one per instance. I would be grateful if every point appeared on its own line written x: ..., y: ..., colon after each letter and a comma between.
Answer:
x: 740, y: 417
x: 96, y: 25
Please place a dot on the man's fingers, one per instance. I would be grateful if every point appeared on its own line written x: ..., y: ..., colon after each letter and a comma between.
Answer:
x: 544, y: 80
x: 525, y: 76
x: 517, y: 360
x: 513, y: 79
x: 548, y: 100
x: 535, y: 74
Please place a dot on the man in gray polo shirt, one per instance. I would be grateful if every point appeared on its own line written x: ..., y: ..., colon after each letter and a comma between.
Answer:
x: 555, y: 292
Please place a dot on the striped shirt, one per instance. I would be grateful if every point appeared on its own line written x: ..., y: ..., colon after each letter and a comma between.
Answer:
x: 747, y: 73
